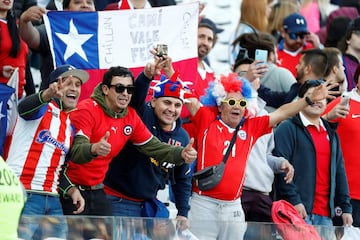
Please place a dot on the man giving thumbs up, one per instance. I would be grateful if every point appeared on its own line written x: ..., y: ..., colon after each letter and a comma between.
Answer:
x: 104, y: 124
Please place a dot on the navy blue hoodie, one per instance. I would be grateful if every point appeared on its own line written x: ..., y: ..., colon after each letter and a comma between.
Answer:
x: 138, y: 176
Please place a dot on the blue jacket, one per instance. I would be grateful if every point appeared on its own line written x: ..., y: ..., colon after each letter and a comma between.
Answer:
x: 294, y: 142
x: 277, y: 99
x: 138, y: 176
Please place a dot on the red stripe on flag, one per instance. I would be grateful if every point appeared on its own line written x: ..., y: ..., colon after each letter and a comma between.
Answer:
x: 187, y: 69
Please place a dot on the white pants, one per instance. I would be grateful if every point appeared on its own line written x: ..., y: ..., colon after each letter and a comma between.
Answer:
x: 211, y: 218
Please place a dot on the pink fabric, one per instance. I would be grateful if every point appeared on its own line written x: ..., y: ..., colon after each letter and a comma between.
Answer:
x: 311, y: 13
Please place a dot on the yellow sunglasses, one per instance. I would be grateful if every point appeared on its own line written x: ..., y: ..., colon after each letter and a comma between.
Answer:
x: 232, y: 102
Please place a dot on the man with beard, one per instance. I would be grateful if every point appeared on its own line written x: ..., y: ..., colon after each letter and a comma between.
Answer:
x: 312, y: 65
x: 335, y: 71
x: 207, y: 37
x: 295, y: 39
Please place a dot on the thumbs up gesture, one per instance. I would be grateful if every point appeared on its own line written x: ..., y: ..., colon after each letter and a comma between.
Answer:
x: 189, y: 153
x: 102, y: 147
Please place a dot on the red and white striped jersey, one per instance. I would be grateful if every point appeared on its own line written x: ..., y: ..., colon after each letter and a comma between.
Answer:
x: 38, y: 149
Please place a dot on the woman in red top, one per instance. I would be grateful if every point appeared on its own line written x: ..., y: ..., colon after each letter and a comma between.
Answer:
x: 13, y: 50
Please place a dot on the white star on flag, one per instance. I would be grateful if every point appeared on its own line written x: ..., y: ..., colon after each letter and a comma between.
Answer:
x: 74, y: 42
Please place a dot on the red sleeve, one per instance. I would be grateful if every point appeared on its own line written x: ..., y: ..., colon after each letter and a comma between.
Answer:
x: 83, y: 119
x: 141, y: 133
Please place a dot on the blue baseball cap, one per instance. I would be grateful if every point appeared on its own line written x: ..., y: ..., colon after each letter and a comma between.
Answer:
x: 68, y: 70
x: 295, y: 23
x: 205, y: 22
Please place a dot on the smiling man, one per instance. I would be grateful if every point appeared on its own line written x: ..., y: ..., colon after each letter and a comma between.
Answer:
x: 312, y: 146
x: 45, y: 133
x: 104, y: 124
x: 133, y: 178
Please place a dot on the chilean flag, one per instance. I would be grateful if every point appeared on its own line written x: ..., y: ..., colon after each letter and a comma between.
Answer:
x: 95, y: 41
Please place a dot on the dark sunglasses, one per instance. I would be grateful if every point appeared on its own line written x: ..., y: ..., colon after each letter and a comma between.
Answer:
x: 232, y: 102
x: 119, y: 88
x: 294, y: 36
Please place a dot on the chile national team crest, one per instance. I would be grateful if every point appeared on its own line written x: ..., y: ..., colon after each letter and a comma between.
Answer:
x: 128, y: 130
x: 242, y: 134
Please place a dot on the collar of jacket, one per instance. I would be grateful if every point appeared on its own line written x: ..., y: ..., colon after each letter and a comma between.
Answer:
x: 99, y: 97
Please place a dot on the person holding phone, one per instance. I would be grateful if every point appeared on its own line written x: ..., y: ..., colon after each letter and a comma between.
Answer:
x: 271, y: 76
x: 104, y: 124
x: 348, y: 120
x: 134, y: 178
x: 313, y: 147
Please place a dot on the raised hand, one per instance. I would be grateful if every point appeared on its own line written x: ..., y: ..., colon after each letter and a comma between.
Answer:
x: 256, y: 70
x: 55, y: 89
x: 189, y: 153
x: 323, y: 91
x: 102, y: 147
x: 338, y: 111
x: 33, y: 14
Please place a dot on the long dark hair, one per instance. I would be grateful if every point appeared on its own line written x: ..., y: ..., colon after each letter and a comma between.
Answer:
x: 14, y: 33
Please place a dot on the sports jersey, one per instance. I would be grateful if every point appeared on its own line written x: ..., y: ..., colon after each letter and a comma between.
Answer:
x: 134, y: 175
x: 44, y: 141
x: 213, y: 138
x: 90, y: 120
x: 349, y: 132
x: 19, y: 61
x: 289, y: 60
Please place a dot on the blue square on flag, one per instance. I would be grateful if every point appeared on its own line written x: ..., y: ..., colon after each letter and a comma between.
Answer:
x: 75, y: 38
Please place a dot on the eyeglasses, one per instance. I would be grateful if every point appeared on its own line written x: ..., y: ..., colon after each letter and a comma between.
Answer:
x: 119, y: 88
x: 294, y: 36
x: 232, y: 102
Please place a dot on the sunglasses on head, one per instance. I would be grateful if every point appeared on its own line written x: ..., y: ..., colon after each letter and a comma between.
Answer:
x: 294, y: 36
x: 232, y: 102
x: 119, y: 88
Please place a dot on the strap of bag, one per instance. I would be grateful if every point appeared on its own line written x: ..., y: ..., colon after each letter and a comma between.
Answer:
x: 233, y: 139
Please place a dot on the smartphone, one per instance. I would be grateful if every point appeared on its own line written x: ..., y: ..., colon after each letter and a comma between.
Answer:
x: 162, y: 50
x: 262, y: 55
x: 345, y: 99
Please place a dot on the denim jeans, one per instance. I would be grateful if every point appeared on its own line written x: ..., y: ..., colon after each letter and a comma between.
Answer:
x: 127, y: 227
x: 124, y: 207
x: 34, y: 226
x: 323, y: 225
